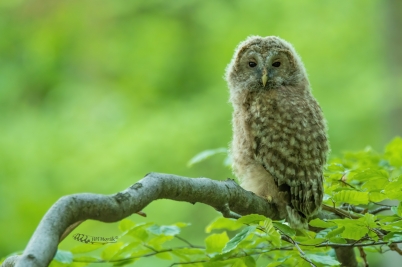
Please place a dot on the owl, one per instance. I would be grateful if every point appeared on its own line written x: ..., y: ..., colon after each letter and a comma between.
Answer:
x: 279, y: 145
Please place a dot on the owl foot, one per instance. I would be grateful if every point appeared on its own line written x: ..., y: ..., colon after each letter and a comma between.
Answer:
x: 268, y: 198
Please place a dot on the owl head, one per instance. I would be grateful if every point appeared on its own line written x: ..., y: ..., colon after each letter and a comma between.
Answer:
x: 264, y: 63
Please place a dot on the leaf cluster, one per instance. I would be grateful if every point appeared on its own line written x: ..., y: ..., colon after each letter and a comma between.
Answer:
x: 254, y: 238
x: 359, y: 188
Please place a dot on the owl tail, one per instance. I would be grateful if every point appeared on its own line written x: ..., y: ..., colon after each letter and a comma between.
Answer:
x: 295, y: 220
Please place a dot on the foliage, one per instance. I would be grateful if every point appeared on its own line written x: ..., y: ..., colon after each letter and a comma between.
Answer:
x: 356, y: 188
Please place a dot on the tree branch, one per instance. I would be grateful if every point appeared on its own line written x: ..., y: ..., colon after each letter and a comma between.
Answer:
x: 225, y: 196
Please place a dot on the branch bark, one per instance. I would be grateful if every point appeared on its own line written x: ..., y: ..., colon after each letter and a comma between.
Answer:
x: 225, y: 196
x: 346, y: 256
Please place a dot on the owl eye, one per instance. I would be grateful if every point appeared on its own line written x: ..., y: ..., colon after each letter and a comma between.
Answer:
x: 252, y: 64
x: 276, y: 64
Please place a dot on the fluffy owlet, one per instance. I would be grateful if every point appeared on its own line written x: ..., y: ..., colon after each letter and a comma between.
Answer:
x: 279, y: 143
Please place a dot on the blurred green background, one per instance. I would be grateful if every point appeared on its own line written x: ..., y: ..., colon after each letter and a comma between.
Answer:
x: 95, y: 94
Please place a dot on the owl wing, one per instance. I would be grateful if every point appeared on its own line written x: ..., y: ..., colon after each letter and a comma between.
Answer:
x: 298, y: 174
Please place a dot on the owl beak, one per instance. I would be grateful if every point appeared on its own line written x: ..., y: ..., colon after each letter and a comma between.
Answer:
x: 264, y: 77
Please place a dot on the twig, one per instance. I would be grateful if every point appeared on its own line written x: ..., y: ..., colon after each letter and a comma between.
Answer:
x: 355, y: 209
x: 185, y: 263
x: 151, y: 248
x: 380, y: 204
x: 378, y: 210
x: 358, y: 241
x: 343, y: 180
x: 394, y: 247
x: 154, y: 252
x: 227, y: 213
x: 336, y: 245
x: 377, y: 232
x: 363, y: 256
x: 187, y: 242
x: 339, y: 212
x: 301, y: 252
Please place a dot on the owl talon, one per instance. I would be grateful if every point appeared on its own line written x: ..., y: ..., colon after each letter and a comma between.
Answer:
x: 269, y: 199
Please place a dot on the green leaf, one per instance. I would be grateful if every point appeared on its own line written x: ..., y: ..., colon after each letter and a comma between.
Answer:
x: 393, y: 190
x: 54, y: 263
x: 336, y: 232
x: 373, y: 235
x: 388, y: 218
x: 393, y: 226
x: 216, y: 242
x: 356, y: 229
x: 324, y: 233
x: 141, y: 253
x: 271, y: 232
x: 224, y: 223
x: 159, y: 240
x: 326, y: 197
x: 351, y: 197
x: 393, y: 237
x: 375, y: 184
x: 394, y: 194
x: 139, y: 231
x: 321, y: 224
x: 323, y: 259
x: 285, y: 229
x: 249, y: 261
x: 334, y: 177
x: 206, y: 154
x: 126, y: 225
x: 128, y: 248
x: 171, y: 230
x: 87, y: 259
x: 354, y: 232
x: 123, y: 262
x: 85, y: 248
x: 278, y: 262
x: 63, y: 256
x: 397, y: 210
x: 377, y: 196
x: 234, y: 242
x: 369, y: 220
x: 306, y: 233
x: 252, y: 218
x: 111, y: 250
x: 189, y: 254
x: 164, y: 256
x: 181, y: 224
x: 335, y: 167
x: 393, y: 152
x: 370, y: 174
